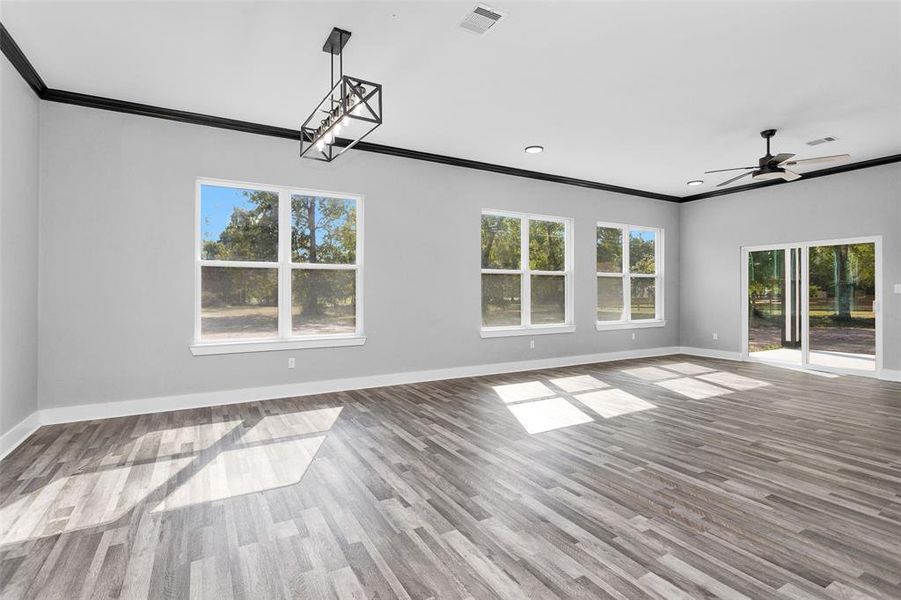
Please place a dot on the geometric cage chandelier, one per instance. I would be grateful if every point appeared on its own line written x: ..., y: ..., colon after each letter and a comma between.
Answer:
x: 349, y: 112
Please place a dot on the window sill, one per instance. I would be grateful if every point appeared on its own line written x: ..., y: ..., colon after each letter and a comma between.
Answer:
x: 493, y: 332
x: 207, y: 348
x: 611, y: 325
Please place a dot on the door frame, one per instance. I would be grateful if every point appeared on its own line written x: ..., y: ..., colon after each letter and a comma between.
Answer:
x: 805, y: 300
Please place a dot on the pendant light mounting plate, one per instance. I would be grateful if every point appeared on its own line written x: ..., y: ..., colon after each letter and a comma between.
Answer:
x: 335, y: 42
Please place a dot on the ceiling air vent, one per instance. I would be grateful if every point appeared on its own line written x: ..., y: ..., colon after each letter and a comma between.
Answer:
x: 824, y: 140
x: 481, y: 19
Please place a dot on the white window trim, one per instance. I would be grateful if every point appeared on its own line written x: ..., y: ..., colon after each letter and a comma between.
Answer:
x: 526, y: 327
x: 627, y: 322
x: 285, y: 340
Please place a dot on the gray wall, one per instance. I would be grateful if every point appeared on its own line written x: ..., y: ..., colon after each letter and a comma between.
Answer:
x: 18, y: 247
x: 859, y: 203
x: 117, y: 275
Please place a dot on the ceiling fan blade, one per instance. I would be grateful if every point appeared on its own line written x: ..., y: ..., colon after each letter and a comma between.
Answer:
x: 819, y: 160
x: 790, y: 175
x: 781, y: 158
x: 735, y: 169
x: 728, y: 181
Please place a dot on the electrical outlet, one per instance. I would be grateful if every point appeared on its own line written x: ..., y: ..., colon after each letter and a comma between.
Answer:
x: 716, y: 336
x: 633, y: 336
x: 898, y: 288
x: 291, y: 363
x: 531, y: 344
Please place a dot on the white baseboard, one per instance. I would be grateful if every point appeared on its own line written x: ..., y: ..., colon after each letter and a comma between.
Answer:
x: 890, y: 375
x: 10, y: 440
x: 104, y: 410
x: 710, y: 353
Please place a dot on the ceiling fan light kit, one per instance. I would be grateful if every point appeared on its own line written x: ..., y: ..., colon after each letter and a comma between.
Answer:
x: 771, y: 167
x: 351, y: 110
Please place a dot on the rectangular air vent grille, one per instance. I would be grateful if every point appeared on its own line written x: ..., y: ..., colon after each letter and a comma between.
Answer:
x: 481, y: 19
x: 824, y: 140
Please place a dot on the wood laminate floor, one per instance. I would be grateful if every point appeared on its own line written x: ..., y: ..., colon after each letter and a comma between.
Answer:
x: 675, y: 477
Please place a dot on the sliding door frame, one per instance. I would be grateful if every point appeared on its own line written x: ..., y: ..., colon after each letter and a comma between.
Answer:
x: 805, y: 300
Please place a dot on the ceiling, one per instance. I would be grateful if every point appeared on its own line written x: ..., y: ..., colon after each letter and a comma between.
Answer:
x: 637, y: 94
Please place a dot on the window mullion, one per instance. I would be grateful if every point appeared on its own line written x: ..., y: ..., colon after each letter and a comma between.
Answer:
x: 526, y: 279
x: 284, y: 264
x: 627, y: 279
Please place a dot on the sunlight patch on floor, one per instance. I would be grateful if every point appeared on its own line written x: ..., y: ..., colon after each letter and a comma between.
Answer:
x: 733, y: 381
x: 578, y: 383
x: 692, y: 388
x: 687, y: 368
x: 517, y: 392
x: 613, y: 402
x: 246, y: 470
x: 210, y: 461
x: 546, y: 415
x: 650, y: 373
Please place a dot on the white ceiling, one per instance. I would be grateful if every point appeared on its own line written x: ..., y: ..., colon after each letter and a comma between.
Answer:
x: 638, y: 94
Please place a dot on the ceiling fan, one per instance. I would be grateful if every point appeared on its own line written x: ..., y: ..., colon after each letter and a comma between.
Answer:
x: 774, y: 167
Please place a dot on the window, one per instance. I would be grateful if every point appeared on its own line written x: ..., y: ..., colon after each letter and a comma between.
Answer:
x: 629, y: 276
x: 526, y: 274
x: 276, y: 268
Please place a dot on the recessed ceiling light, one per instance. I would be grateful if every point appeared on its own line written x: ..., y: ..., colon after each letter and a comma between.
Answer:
x: 534, y: 149
x: 695, y: 182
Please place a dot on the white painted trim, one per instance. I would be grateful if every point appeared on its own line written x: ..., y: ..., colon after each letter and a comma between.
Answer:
x: 890, y: 375
x: 285, y: 268
x: 876, y: 240
x: 495, y: 332
x: 208, y: 348
x: 525, y: 276
x: 123, y: 408
x: 10, y: 440
x: 627, y: 276
x: 612, y: 325
x: 49, y: 416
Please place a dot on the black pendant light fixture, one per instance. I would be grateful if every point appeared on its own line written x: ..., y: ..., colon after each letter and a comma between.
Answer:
x: 349, y: 112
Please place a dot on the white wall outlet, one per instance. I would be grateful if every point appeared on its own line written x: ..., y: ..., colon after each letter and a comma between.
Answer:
x: 898, y: 288
x: 291, y: 363
x: 531, y: 344
x: 633, y: 336
x: 716, y: 336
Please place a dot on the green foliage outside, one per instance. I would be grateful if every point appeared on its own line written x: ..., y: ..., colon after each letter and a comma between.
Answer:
x: 323, y: 231
x: 609, y: 250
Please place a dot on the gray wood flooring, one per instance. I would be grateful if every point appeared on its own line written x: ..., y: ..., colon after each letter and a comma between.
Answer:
x: 675, y: 477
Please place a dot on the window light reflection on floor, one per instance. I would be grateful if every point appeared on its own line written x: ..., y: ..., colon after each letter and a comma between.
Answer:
x: 613, y: 402
x: 694, y: 389
x: 517, y: 392
x: 650, y: 373
x: 193, y: 464
x: 578, y: 383
x: 547, y: 414
x: 687, y: 368
x: 733, y: 381
x: 703, y: 383
x: 544, y: 415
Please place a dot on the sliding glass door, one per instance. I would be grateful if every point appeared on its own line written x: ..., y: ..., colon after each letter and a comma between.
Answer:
x: 774, y: 304
x: 842, y: 302
x: 812, y: 305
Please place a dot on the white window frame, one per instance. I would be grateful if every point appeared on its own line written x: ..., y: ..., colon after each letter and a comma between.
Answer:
x: 526, y: 327
x: 285, y: 340
x: 627, y: 322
